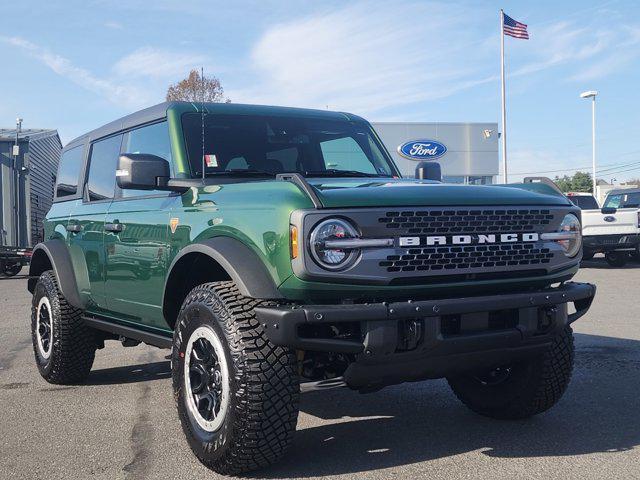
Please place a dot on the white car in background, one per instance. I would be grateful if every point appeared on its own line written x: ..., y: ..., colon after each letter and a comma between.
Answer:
x: 613, y: 229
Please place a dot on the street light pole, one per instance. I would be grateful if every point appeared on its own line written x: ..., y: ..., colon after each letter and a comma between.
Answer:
x: 592, y: 95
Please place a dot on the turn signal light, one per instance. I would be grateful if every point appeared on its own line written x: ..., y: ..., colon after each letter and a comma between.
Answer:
x: 294, y: 242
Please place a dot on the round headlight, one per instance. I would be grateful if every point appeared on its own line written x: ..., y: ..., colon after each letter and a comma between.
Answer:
x: 571, y: 225
x: 332, y: 258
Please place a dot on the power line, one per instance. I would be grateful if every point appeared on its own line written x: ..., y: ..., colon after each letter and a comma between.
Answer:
x: 605, y: 168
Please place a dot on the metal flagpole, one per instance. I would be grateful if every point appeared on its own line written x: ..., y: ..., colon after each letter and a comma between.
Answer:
x: 504, y: 108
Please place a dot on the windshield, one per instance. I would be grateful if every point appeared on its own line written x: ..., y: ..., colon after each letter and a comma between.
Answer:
x: 585, y: 202
x: 243, y: 144
x: 623, y: 200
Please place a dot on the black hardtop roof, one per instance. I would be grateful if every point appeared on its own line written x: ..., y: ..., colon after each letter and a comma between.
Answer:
x: 159, y: 111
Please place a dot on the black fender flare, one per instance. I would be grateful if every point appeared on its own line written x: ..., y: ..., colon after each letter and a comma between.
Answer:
x: 240, y: 262
x: 57, y: 253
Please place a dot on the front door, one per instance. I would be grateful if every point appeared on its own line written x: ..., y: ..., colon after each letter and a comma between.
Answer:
x: 137, y: 238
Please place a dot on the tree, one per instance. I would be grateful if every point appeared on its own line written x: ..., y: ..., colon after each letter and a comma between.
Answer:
x: 195, y: 88
x: 579, y: 182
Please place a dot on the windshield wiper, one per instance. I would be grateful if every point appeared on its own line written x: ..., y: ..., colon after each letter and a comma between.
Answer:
x: 334, y: 172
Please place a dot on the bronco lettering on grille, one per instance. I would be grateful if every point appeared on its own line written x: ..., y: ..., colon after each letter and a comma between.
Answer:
x: 468, y: 239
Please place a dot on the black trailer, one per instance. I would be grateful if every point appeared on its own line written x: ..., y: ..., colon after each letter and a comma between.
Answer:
x: 28, y: 165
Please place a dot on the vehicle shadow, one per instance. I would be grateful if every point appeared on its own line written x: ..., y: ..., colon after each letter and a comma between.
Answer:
x: 413, y: 423
x: 143, y: 372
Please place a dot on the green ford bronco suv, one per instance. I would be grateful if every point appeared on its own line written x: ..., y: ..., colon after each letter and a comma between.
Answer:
x: 268, y: 247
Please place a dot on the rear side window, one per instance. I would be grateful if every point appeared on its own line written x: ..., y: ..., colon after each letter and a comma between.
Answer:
x: 69, y: 172
x: 102, y: 168
x: 153, y: 140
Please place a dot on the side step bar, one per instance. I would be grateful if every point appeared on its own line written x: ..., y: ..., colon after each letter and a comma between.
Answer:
x: 154, y: 339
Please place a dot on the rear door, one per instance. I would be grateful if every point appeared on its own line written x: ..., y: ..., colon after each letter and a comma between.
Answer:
x: 137, y: 246
x: 86, y: 242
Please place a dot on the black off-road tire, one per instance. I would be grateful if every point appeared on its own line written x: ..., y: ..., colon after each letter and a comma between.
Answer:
x: 11, y: 270
x: 616, y: 259
x: 73, y: 344
x: 262, y: 408
x: 531, y: 387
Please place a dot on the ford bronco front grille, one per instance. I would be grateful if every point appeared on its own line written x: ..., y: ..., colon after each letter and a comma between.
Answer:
x: 469, y: 256
x: 443, y: 243
x: 448, y: 221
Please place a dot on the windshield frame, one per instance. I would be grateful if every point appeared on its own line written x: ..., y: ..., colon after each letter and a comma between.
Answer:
x: 372, y: 135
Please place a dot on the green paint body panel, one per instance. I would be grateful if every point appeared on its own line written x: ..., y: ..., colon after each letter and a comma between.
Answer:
x: 128, y: 280
x: 340, y: 193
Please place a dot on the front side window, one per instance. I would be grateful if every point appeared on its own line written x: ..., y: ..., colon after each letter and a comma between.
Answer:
x: 102, y: 168
x: 267, y: 145
x: 153, y: 140
x: 69, y: 172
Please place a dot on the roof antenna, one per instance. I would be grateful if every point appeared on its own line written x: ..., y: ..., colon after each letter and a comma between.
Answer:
x: 202, y: 119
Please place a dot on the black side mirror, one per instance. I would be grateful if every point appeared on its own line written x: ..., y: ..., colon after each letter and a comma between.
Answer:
x: 429, y: 171
x: 142, y: 171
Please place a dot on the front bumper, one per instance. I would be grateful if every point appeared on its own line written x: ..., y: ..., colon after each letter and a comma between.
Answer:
x: 608, y: 243
x: 415, y: 340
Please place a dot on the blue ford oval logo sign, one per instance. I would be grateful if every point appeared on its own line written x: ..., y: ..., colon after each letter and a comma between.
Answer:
x: 422, y: 149
x: 609, y: 219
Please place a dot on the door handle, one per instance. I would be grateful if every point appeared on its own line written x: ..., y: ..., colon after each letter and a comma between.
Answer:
x: 114, y: 227
x: 74, y: 227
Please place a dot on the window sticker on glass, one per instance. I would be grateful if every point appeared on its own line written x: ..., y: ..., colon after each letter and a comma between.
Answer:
x: 211, y: 161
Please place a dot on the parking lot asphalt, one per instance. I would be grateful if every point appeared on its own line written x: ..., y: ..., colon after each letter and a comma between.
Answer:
x: 122, y: 423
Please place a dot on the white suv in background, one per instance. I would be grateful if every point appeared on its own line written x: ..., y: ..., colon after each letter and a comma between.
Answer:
x: 614, y: 228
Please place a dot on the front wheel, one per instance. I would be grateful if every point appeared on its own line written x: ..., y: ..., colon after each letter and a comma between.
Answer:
x: 522, y: 389
x: 236, y: 393
x: 616, y: 259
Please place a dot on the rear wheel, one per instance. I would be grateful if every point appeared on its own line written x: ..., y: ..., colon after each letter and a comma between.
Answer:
x: 63, y: 345
x: 12, y: 269
x: 237, y: 394
x: 522, y: 389
x: 616, y: 259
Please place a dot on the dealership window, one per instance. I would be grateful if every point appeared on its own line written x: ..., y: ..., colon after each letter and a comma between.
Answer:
x: 453, y: 179
x: 482, y: 180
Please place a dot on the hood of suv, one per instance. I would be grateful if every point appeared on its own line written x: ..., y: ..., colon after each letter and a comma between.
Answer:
x: 373, y: 192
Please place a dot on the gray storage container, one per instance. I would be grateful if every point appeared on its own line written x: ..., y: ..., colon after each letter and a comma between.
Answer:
x: 33, y: 170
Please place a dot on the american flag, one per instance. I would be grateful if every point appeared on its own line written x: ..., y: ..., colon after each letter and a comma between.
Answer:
x: 514, y: 29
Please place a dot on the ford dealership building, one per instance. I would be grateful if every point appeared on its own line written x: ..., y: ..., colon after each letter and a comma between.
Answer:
x: 467, y: 152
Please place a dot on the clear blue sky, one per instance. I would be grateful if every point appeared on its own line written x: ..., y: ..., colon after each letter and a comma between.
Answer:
x: 75, y: 65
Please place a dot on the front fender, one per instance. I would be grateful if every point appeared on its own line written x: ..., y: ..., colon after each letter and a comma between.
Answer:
x: 54, y: 255
x: 241, y: 263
